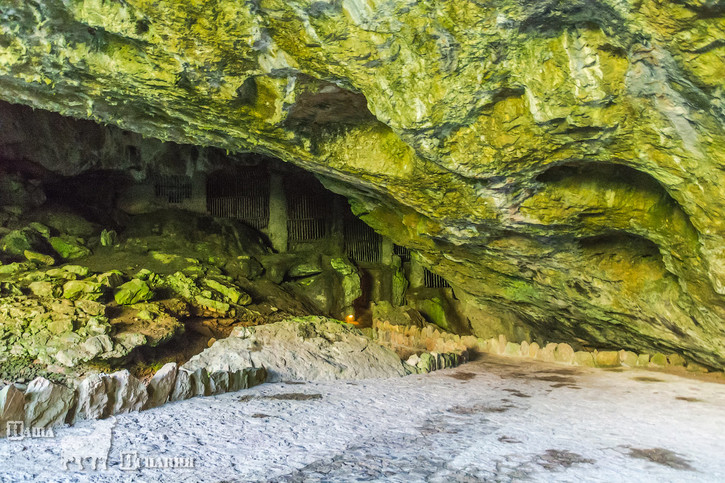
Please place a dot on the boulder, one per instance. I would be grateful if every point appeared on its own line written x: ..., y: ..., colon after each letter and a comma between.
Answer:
x: 93, y: 397
x: 76, y: 270
x: 676, y: 360
x: 305, y: 269
x: 60, y: 324
x: 45, y: 289
x: 111, y: 279
x: 17, y: 242
x: 407, y: 316
x: 86, y: 289
x: 108, y: 238
x: 583, y: 358
x: 229, y: 292
x: 512, y: 349
x: 182, y: 386
x: 658, y: 360
x: 12, y: 406
x: 90, y: 307
x: 69, y: 247
x: 18, y: 191
x: 133, y: 292
x: 349, y: 280
x: 607, y: 359
x: 627, y: 358
x: 201, y: 384
x: 46, y: 403
x: 220, y: 381
x: 129, y: 394
x: 305, y: 348
x: 427, y: 363
x: 564, y: 353
x: 39, y: 258
x: 161, y: 385
x: 65, y: 221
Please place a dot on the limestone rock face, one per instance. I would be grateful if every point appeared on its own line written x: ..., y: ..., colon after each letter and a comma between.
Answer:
x: 161, y: 385
x: 129, y: 393
x: 92, y: 397
x: 560, y: 163
x: 182, y: 386
x: 46, y: 403
x: 305, y: 348
x: 12, y: 407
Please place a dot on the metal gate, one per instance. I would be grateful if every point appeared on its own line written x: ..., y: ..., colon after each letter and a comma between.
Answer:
x: 362, y: 244
x: 309, y: 208
x: 173, y: 188
x: 432, y: 280
x: 402, y: 252
x: 242, y: 195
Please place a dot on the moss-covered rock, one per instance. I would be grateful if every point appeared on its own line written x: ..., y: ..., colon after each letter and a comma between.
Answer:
x: 69, y: 247
x: 133, y: 292
x: 560, y: 162
x: 17, y: 242
x: 39, y: 258
x: 77, y: 289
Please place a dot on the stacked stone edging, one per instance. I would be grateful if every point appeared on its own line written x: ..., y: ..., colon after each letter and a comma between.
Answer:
x: 434, y: 361
x: 431, y: 338
x: 46, y: 404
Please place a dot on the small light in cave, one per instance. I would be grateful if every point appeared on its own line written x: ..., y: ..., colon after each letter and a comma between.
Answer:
x: 350, y: 319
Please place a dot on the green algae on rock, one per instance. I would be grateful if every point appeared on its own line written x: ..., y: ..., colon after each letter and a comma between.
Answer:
x: 560, y: 163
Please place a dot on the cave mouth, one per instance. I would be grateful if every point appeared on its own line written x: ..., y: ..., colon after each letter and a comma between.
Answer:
x: 141, y: 252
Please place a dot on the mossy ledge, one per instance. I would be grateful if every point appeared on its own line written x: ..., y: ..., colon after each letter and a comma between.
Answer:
x: 442, y: 123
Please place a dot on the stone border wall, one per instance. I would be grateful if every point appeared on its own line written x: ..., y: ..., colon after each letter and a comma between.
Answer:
x: 432, y: 339
x: 45, y: 404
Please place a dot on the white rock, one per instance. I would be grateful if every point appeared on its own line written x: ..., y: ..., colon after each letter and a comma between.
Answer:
x: 313, y: 348
x: 182, y: 386
x: 238, y: 380
x: 129, y: 394
x: 201, y: 385
x: 220, y: 382
x: 93, y: 396
x: 161, y: 385
x: 12, y: 407
x: 46, y: 404
x: 413, y: 360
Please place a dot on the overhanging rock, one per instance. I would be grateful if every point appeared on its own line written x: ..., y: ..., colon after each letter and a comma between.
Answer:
x: 560, y: 163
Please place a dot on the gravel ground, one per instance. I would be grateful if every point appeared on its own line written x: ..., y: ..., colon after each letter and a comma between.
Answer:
x: 492, y: 420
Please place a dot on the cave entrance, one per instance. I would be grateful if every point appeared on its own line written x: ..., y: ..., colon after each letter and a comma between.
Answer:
x: 206, y: 240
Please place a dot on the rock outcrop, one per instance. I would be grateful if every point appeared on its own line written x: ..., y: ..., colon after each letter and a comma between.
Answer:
x: 47, y: 404
x: 304, y: 349
x: 161, y: 385
x: 12, y: 407
x: 559, y: 162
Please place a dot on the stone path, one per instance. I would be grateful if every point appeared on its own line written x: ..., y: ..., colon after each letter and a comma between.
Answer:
x: 492, y: 420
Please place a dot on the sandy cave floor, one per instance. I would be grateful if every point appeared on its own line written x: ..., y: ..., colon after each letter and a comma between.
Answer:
x: 491, y: 420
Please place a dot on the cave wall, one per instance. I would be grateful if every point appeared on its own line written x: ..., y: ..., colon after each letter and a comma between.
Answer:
x: 560, y: 162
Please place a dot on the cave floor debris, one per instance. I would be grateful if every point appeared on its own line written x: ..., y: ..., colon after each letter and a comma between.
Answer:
x: 494, y: 419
